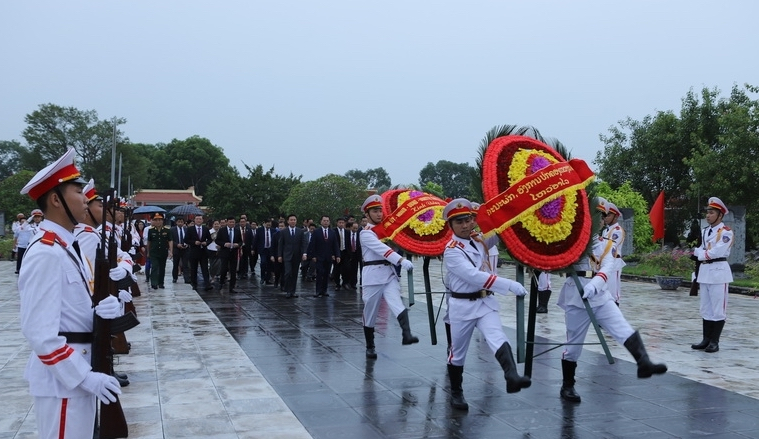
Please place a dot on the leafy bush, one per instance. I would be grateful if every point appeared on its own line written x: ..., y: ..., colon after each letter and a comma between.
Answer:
x: 6, y: 246
x: 669, y: 263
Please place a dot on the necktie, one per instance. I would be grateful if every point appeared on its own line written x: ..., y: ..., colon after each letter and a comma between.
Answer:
x: 710, y: 232
x: 353, y: 241
x: 266, y: 243
x: 231, y: 235
x: 342, y: 239
x: 292, y: 232
x: 75, y: 244
x: 200, y: 234
x: 325, y: 233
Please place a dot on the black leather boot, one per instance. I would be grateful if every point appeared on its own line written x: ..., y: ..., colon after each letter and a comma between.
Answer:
x: 707, y: 329
x: 456, y: 375
x: 543, y: 297
x: 369, y: 336
x: 406, y: 328
x: 514, y: 382
x: 715, y: 334
x: 646, y: 368
x: 448, y: 337
x: 567, y: 392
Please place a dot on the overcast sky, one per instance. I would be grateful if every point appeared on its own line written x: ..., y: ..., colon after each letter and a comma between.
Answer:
x: 318, y: 87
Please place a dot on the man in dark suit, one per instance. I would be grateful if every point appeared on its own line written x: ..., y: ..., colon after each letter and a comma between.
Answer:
x: 339, y: 269
x: 253, y: 256
x: 228, y: 240
x: 354, y: 257
x: 181, y: 248
x: 242, y: 272
x: 198, y: 237
x: 292, y: 249
x: 264, y: 242
x: 324, y: 250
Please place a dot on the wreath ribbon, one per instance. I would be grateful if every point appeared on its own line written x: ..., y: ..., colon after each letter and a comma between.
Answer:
x: 531, y: 193
x: 403, y: 214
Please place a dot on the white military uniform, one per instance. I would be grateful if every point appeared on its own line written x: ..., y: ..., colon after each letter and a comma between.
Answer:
x: 55, y: 297
x: 606, y: 311
x: 469, y: 270
x: 379, y: 281
x: 615, y: 236
x: 713, y: 277
x: 544, y: 281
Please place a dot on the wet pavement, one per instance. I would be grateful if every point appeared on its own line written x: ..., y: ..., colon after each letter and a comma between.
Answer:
x: 255, y: 364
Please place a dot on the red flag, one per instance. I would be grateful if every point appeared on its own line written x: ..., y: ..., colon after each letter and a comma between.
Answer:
x: 656, y: 216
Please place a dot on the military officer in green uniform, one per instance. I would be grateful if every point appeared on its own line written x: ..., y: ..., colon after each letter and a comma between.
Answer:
x: 159, y: 249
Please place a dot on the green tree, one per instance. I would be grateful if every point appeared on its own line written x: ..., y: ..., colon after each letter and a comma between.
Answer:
x: 332, y: 195
x: 455, y: 178
x: 725, y: 158
x: 259, y: 195
x: 376, y: 178
x: 11, y: 200
x: 710, y: 149
x: 52, y: 130
x: 194, y: 161
x: 10, y: 157
x: 626, y: 197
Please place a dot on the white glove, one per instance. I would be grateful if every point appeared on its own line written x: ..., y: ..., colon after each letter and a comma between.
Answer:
x: 117, y: 273
x: 517, y: 289
x: 105, y: 387
x: 699, y: 253
x: 125, y: 296
x: 407, y: 265
x: 589, y: 291
x: 108, y: 308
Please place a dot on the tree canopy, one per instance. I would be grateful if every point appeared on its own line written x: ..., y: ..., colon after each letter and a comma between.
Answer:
x: 376, y: 178
x: 11, y: 200
x: 260, y: 194
x: 710, y: 149
x: 332, y: 195
x: 455, y: 178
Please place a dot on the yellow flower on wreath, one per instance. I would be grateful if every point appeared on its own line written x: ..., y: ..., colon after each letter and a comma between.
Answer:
x: 424, y: 223
x: 554, y: 219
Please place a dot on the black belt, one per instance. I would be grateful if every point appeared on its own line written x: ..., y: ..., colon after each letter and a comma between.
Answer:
x: 711, y: 261
x: 472, y: 296
x: 379, y: 262
x: 77, y: 337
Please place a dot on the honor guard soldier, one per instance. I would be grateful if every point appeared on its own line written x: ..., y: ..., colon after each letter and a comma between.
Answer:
x: 159, y: 249
x: 713, y: 274
x: 379, y: 278
x: 472, y: 283
x: 614, y: 235
x: 57, y: 310
x: 593, y: 271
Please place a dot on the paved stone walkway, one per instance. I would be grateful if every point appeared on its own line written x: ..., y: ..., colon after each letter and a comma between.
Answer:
x: 258, y: 365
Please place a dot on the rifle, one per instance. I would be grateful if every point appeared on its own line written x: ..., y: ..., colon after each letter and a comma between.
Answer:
x: 694, y: 284
x: 112, y: 423
x: 126, y: 245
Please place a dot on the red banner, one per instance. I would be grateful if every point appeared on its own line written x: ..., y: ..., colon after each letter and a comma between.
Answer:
x: 656, y: 216
x: 532, y: 192
x: 400, y: 217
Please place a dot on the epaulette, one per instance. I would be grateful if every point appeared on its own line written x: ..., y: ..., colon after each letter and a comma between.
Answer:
x: 454, y: 244
x: 88, y: 229
x: 726, y: 228
x: 49, y: 237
